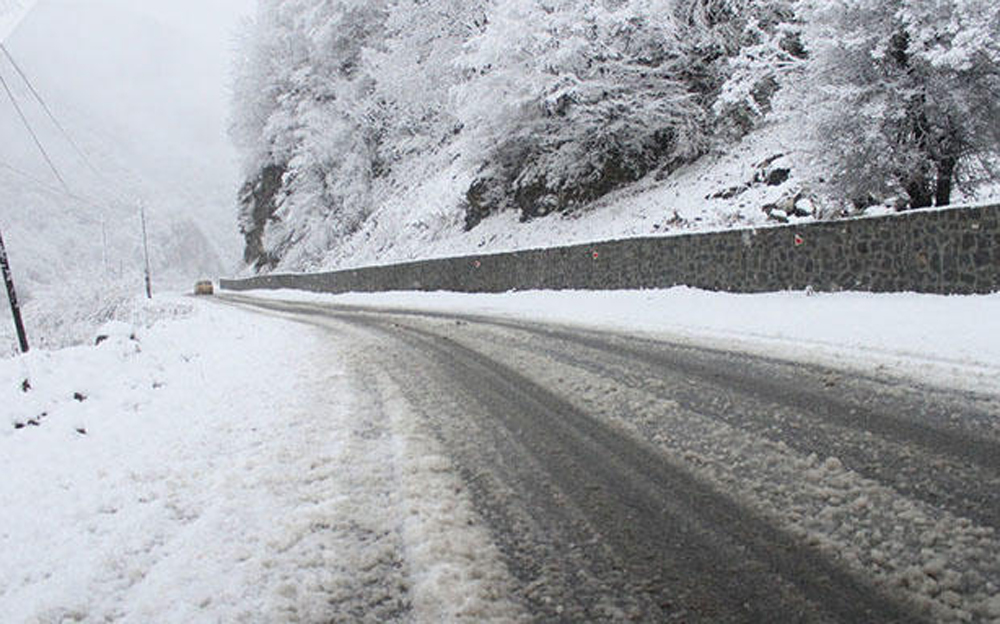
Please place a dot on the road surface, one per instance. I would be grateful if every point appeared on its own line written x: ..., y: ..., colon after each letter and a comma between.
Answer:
x: 628, y: 479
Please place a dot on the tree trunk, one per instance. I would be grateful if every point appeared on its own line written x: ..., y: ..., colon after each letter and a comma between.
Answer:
x: 945, y: 178
x: 918, y: 189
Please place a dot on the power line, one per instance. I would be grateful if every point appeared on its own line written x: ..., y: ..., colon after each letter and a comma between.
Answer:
x: 50, y: 187
x: 85, y: 158
x: 31, y: 131
x: 48, y: 111
x: 80, y: 216
x: 116, y: 191
x: 27, y: 176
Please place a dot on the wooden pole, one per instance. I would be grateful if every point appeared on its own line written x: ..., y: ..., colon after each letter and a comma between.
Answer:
x: 145, y: 250
x: 104, y: 245
x: 15, y: 309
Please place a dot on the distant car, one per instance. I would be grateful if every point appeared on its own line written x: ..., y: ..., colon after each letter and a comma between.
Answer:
x: 203, y: 287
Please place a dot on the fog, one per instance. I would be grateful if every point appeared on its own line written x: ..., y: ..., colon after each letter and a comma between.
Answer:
x: 143, y: 89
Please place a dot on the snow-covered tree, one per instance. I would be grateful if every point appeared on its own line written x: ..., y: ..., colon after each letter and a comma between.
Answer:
x: 572, y: 99
x: 907, y: 93
x: 342, y: 107
x: 409, y: 109
x: 298, y: 109
x: 742, y: 51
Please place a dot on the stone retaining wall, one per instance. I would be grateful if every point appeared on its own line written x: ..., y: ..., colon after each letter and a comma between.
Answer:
x: 952, y: 251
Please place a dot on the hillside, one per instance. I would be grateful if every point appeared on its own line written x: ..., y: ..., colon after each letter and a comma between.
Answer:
x: 377, y: 131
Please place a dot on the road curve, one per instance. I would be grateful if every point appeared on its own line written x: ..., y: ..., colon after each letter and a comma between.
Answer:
x: 626, y: 479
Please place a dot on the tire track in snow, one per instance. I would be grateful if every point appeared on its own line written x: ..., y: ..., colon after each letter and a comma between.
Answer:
x: 402, y: 541
x: 947, y: 563
x: 953, y: 468
x: 661, y: 543
x: 901, y: 540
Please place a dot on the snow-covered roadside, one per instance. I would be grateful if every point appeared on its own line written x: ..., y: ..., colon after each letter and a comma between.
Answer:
x: 951, y: 341
x: 223, y: 467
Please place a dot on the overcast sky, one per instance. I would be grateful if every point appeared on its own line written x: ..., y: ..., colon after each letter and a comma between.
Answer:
x: 144, y: 86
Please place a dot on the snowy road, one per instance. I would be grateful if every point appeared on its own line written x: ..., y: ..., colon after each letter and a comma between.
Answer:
x: 627, y: 479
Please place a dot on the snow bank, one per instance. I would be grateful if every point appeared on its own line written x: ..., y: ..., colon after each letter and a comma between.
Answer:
x: 73, y: 313
x: 122, y: 491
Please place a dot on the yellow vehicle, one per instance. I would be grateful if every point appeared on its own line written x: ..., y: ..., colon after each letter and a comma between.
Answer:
x: 203, y: 287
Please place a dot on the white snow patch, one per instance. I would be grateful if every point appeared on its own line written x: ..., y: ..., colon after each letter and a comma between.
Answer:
x: 213, y: 468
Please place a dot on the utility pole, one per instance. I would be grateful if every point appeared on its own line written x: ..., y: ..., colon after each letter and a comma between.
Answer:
x: 15, y: 309
x: 104, y: 245
x: 145, y: 249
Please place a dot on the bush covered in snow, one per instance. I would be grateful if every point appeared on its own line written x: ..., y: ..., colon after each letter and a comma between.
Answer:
x: 71, y: 313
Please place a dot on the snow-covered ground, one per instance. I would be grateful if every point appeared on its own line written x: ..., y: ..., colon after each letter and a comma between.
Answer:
x: 951, y: 341
x: 220, y: 466
x: 211, y: 464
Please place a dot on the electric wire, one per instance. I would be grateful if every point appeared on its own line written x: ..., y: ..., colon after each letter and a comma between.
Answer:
x: 120, y: 196
x: 41, y: 184
x: 34, y: 136
x: 48, y: 111
x: 117, y: 193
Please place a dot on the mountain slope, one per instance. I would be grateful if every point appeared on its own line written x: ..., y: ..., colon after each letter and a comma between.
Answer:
x: 370, y: 132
